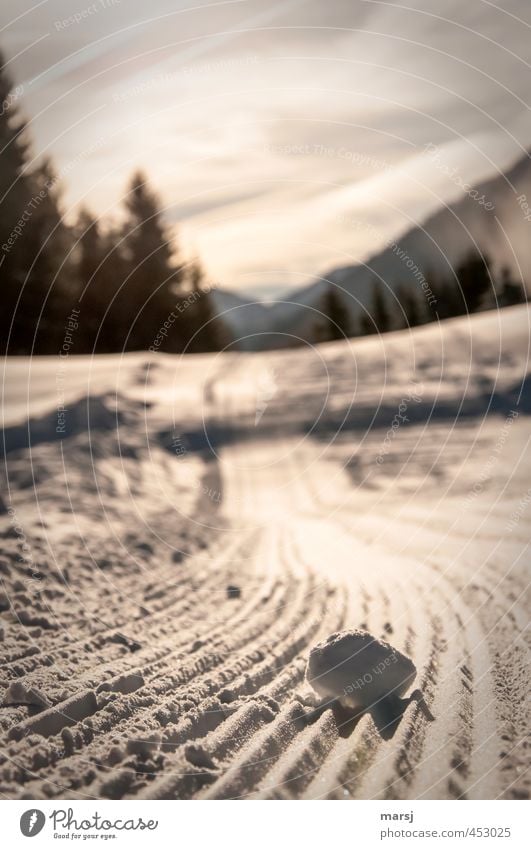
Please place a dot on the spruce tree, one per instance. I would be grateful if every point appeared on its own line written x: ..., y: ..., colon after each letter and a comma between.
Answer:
x: 50, y: 287
x: 367, y: 325
x: 202, y: 330
x: 379, y: 310
x: 450, y: 302
x: 511, y: 292
x: 473, y: 275
x: 149, y: 290
x: 336, y: 324
x: 100, y: 269
x: 411, y: 306
x: 35, y: 243
x: 14, y: 198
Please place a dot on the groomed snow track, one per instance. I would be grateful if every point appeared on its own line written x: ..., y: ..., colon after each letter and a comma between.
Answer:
x: 163, y: 600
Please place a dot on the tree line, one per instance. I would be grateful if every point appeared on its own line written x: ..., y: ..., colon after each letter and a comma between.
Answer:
x: 125, y: 284
x: 125, y: 287
x: 471, y: 288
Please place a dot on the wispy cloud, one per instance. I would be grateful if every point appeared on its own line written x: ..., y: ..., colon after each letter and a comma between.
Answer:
x: 263, y: 125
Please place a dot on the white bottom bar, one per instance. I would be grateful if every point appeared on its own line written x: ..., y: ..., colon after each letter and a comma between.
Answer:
x: 266, y: 825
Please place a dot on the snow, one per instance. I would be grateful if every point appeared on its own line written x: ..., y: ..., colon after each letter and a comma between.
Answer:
x: 160, y: 606
x: 358, y: 669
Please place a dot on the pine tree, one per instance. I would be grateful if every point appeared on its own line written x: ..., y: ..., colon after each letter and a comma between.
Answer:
x: 411, y: 306
x: 126, y: 283
x: 34, y: 268
x: 100, y: 269
x: 336, y: 322
x: 205, y: 331
x: 449, y: 300
x: 15, y: 194
x: 432, y: 305
x: 379, y: 311
x: 473, y: 275
x: 153, y: 280
x: 367, y: 325
x: 50, y: 288
x: 511, y: 292
x: 90, y: 249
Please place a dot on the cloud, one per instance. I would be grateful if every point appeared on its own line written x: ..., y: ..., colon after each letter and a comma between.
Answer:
x: 214, y: 101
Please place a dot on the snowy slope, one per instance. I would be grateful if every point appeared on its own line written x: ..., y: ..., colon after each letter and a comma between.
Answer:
x: 435, y: 247
x: 170, y: 558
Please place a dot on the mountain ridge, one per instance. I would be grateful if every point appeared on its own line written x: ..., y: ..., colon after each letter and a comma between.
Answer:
x: 430, y: 250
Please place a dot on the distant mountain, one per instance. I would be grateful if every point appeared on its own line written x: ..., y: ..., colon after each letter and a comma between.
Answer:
x: 244, y: 316
x: 430, y: 251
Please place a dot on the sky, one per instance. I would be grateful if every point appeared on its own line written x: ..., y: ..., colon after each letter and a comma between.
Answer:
x: 283, y: 138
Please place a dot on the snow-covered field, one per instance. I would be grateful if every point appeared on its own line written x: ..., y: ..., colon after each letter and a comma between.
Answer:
x: 176, y: 534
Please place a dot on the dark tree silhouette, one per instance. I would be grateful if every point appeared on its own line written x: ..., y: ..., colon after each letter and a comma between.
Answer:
x: 381, y: 319
x: 35, y: 264
x: 131, y: 287
x: 511, y: 292
x: 50, y: 286
x: 449, y: 300
x: 135, y: 294
x: 15, y: 194
x: 336, y: 323
x: 411, y: 306
x: 150, y: 289
x: 473, y: 275
x: 90, y: 250
x: 100, y: 270
x: 203, y: 329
